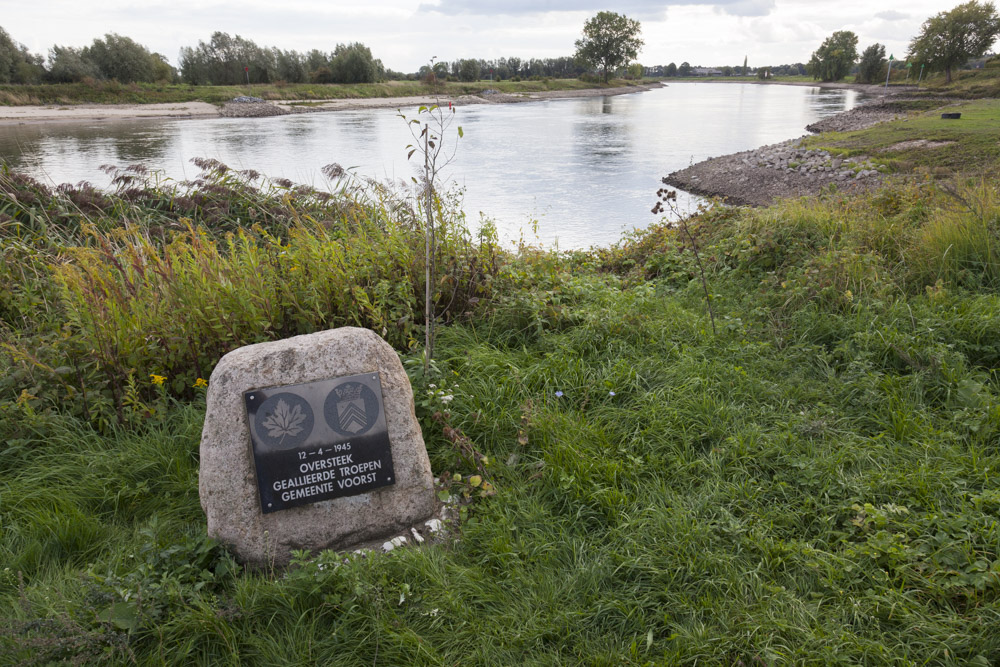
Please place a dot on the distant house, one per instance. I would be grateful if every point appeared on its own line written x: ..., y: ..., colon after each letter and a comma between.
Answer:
x: 706, y: 71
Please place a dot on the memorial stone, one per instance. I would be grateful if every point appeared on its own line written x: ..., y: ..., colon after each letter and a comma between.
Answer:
x: 311, y: 443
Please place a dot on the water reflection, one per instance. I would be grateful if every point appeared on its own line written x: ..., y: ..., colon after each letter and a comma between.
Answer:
x: 586, y: 168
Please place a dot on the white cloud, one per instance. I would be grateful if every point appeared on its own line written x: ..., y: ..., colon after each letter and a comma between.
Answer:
x: 892, y: 15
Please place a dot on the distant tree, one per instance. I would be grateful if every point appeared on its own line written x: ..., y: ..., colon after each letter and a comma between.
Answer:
x: 671, y: 70
x: 745, y: 70
x: 232, y: 60
x: 872, y: 62
x: 948, y: 39
x: 17, y: 64
x: 10, y: 58
x: 684, y: 69
x: 162, y: 70
x: 121, y: 58
x: 289, y: 66
x: 835, y: 57
x: 354, y: 63
x: 32, y: 67
x: 763, y: 73
x: 321, y: 74
x: 68, y: 65
x: 514, y: 65
x: 727, y: 70
x: 609, y: 41
x: 468, y: 70
x: 316, y: 59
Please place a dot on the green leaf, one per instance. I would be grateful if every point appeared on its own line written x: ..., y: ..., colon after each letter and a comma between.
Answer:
x: 460, y: 132
x: 123, y: 615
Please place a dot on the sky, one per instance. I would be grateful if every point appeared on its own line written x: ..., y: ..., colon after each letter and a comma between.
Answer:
x: 406, y: 34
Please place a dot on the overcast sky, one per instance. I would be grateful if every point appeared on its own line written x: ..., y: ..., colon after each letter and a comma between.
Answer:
x: 404, y: 34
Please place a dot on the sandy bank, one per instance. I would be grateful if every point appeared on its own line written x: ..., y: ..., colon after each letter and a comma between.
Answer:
x: 491, y: 97
x: 98, y: 112
x: 88, y: 112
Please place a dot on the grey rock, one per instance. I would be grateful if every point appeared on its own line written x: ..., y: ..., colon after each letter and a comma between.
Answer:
x: 227, y: 482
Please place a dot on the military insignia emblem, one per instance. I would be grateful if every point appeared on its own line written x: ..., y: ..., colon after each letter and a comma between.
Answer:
x: 351, y: 409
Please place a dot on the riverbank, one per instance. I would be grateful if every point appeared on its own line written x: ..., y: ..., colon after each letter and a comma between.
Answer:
x: 27, y: 114
x: 805, y: 166
x: 807, y: 476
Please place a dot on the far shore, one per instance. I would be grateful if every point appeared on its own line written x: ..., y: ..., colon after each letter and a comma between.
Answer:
x: 53, y: 113
x: 77, y: 113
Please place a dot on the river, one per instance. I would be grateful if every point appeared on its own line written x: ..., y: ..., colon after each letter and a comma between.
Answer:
x: 579, y: 171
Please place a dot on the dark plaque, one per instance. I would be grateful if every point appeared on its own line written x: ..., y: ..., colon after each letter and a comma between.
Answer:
x: 318, y: 440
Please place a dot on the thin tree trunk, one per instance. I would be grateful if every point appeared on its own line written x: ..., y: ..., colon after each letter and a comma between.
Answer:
x: 428, y: 257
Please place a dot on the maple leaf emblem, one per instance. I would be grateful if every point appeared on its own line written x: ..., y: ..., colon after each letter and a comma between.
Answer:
x: 284, y: 421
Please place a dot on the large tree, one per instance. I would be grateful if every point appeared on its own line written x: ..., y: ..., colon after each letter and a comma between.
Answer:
x: 121, y: 58
x: 872, y: 62
x: 17, y: 64
x: 610, y: 41
x: 948, y: 39
x: 835, y: 57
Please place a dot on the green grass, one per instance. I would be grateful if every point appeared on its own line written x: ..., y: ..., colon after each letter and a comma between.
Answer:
x: 813, y: 484
x: 112, y: 92
x: 974, y: 146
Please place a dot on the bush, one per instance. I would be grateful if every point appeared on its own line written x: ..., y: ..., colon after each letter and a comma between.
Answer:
x: 168, y: 294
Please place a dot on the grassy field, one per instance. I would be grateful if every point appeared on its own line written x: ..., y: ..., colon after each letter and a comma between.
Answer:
x: 812, y: 480
x: 112, y: 92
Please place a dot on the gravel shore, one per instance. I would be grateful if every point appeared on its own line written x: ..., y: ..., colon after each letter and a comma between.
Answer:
x: 760, y: 176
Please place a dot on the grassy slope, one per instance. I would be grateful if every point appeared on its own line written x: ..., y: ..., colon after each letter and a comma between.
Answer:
x: 115, y: 93
x: 815, y: 483
x: 973, y: 149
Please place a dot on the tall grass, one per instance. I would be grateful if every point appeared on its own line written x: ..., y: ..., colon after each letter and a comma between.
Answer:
x: 120, y: 286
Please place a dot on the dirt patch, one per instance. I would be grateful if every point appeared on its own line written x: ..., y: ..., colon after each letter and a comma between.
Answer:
x: 916, y: 143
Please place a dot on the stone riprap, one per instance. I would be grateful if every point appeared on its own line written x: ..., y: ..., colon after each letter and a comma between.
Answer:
x: 227, y: 479
x: 860, y: 117
x: 813, y: 164
x: 252, y: 109
x: 760, y: 176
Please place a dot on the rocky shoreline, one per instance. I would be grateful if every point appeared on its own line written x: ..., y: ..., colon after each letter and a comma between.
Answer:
x: 759, y: 177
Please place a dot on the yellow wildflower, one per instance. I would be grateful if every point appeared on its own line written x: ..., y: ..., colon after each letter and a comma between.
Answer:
x: 157, y: 379
x: 200, y: 382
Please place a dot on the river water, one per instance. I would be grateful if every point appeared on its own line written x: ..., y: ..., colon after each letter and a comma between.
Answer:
x: 579, y: 171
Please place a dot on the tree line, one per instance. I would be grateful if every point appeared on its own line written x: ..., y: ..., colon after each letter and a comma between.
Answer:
x: 609, y: 44
x: 222, y: 60
x: 946, y: 41
x: 502, y: 69
x: 231, y: 60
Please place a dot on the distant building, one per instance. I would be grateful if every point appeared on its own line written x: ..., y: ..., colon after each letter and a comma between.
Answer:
x: 706, y: 71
